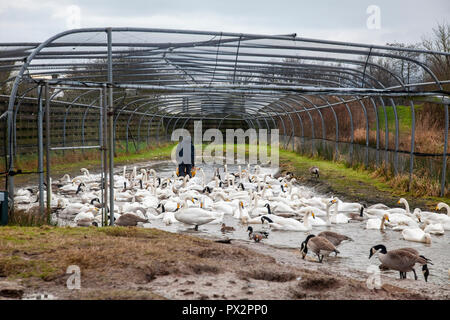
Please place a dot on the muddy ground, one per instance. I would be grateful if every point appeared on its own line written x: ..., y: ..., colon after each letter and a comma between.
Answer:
x: 136, y: 263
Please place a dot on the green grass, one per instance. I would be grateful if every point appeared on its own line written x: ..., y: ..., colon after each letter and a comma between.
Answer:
x: 403, y: 114
x: 354, y: 182
x: 72, y: 161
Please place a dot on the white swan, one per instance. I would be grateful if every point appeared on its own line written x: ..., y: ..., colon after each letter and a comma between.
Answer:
x: 433, y: 228
x: 441, y: 205
x: 193, y: 216
x: 335, y: 218
x: 377, y: 224
x: 416, y: 235
x: 290, y: 224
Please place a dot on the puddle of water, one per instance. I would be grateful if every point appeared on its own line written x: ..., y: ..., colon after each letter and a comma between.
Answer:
x: 352, y: 255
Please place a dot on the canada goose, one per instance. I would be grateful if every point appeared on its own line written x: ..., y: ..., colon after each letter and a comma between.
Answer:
x: 358, y: 216
x: 96, y: 202
x: 256, y: 236
x: 425, y: 270
x: 226, y: 228
x: 314, y: 171
x: 401, y: 260
x: 80, y: 188
x: 129, y: 220
x: 334, y: 237
x: 319, y: 245
x: 207, y: 190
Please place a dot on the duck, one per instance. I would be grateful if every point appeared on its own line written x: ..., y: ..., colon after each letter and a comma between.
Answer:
x: 402, y: 261
x: 226, y: 228
x: 256, y: 236
x: 377, y: 224
x: 319, y: 245
x: 416, y: 235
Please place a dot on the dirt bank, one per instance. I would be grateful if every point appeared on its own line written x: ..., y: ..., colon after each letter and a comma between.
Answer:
x: 134, y: 263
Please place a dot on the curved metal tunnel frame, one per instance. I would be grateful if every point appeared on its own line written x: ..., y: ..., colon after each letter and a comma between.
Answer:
x: 191, y: 60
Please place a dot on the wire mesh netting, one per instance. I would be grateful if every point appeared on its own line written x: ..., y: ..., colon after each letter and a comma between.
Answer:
x: 362, y: 102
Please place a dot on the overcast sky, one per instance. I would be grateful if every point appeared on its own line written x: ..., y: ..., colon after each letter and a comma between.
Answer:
x: 403, y: 21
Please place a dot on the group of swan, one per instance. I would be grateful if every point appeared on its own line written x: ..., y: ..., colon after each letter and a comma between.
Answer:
x: 417, y: 226
x: 251, y: 196
x: 247, y: 195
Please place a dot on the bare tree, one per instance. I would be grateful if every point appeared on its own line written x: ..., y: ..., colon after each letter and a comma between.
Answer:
x: 439, y: 41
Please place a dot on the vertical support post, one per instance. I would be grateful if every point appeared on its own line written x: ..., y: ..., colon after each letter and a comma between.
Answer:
x: 10, y: 155
x: 104, y: 144
x: 444, y: 156
x: 47, y: 151
x: 413, y: 135
x: 40, y: 152
x: 111, y: 129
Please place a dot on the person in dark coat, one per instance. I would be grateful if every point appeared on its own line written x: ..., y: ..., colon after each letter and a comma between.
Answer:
x: 185, y: 157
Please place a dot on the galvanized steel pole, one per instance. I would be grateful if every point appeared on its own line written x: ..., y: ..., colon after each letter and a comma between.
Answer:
x: 40, y: 153
x: 444, y: 156
x: 47, y: 151
x: 111, y: 129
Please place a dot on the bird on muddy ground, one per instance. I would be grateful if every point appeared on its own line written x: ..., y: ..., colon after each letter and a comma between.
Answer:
x: 314, y: 171
x: 334, y: 237
x: 319, y: 245
x: 400, y: 260
x: 425, y: 270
